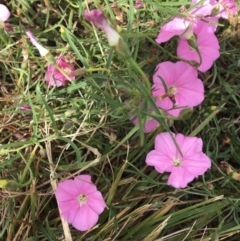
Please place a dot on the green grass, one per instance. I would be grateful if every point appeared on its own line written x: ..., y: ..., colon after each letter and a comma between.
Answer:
x: 85, y: 128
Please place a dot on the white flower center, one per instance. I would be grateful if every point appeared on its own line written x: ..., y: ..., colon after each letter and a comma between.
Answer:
x: 177, y: 162
x: 82, y: 199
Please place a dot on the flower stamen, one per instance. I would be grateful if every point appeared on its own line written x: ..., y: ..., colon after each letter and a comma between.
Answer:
x: 82, y: 199
x: 177, y: 162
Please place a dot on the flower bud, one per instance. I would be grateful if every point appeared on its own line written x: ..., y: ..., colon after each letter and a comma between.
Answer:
x: 192, y: 41
x: 9, y: 184
x: 215, y: 11
x: 235, y: 176
x: 43, y: 52
x: 114, y: 39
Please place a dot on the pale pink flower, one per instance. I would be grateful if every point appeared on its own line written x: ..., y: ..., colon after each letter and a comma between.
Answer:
x: 184, y: 166
x: 227, y: 8
x: 25, y: 107
x: 54, y: 77
x: 138, y: 4
x: 80, y: 202
x: 99, y: 20
x: 183, y: 88
x: 184, y: 27
x: 4, y: 13
x: 221, y: 8
x: 176, y: 27
x: 205, y: 9
x: 208, y: 46
x: 114, y: 39
x: 43, y: 52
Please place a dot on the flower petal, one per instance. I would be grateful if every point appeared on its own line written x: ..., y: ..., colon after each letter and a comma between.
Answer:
x: 84, y: 185
x: 197, y: 164
x: 180, y: 177
x: 66, y: 190
x: 175, y: 27
x: 96, y: 202
x: 165, y: 146
x: 190, y: 94
x: 162, y: 70
x: 85, y: 218
x: 208, y: 46
x: 161, y: 162
x: 189, y: 145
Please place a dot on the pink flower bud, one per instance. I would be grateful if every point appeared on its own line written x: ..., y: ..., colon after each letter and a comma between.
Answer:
x: 25, y: 107
x: 99, y: 20
x: 43, y: 52
x: 114, y: 39
x: 138, y: 4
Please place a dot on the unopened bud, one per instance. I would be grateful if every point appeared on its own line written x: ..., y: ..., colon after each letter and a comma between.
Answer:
x: 192, y: 41
x: 114, y: 39
x: 63, y: 33
x: 215, y: 11
x: 210, y: 186
x: 9, y: 184
x: 236, y: 176
x: 43, y: 52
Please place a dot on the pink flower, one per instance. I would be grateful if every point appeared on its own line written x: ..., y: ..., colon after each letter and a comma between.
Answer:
x: 221, y: 8
x: 226, y: 8
x: 207, y: 44
x: 114, y: 39
x: 43, y: 52
x: 183, y: 88
x: 183, y: 168
x: 80, y: 202
x: 99, y: 20
x: 4, y: 13
x: 54, y: 77
x: 205, y: 8
x: 25, y: 107
x: 185, y: 27
x: 138, y: 4
x: 175, y: 27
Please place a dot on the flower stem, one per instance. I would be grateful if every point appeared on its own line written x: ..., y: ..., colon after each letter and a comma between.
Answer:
x: 90, y: 70
x: 144, y: 78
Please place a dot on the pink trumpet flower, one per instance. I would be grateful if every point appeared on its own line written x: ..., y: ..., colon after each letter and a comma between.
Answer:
x: 43, y: 52
x: 184, y: 165
x: 207, y: 44
x: 80, y: 202
x: 114, y: 39
x: 176, y: 87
